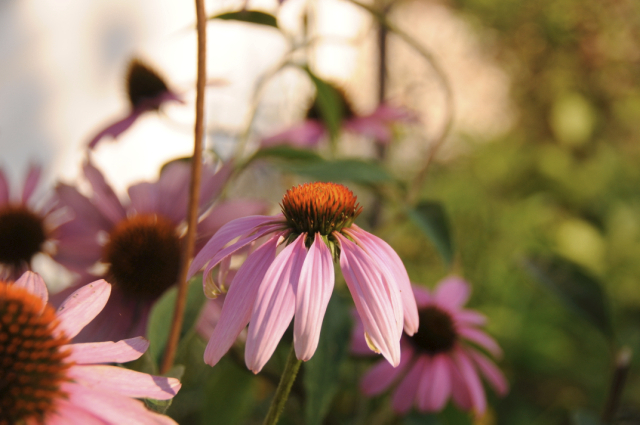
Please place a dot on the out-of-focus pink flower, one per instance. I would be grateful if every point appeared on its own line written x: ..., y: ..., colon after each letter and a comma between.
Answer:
x: 25, y: 229
x: 47, y: 380
x: 136, y: 243
x: 147, y: 91
x: 315, y: 228
x: 438, y: 362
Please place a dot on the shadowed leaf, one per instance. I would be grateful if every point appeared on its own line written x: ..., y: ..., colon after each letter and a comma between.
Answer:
x: 329, y: 103
x: 251, y: 16
x: 229, y: 394
x: 432, y: 219
x: 353, y: 170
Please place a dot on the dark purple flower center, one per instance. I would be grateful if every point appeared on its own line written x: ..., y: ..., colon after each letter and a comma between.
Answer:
x: 437, y: 333
x: 32, y: 362
x: 22, y: 234
x: 143, y: 83
x: 144, y: 256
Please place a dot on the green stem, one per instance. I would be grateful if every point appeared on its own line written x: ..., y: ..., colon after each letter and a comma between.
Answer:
x: 284, y: 387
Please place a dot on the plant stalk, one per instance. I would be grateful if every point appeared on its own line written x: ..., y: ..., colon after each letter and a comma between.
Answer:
x: 623, y: 361
x: 284, y: 387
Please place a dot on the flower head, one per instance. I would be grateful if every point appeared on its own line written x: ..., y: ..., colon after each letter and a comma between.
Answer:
x: 270, y: 288
x: 45, y: 379
x: 136, y: 243
x: 24, y: 228
x: 437, y: 361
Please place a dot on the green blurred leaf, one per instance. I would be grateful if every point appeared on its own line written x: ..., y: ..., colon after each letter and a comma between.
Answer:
x: 329, y: 103
x: 322, y: 372
x: 415, y: 418
x: 353, y: 170
x: 432, y: 219
x: 144, y: 364
x: 583, y: 417
x: 579, y: 290
x: 251, y: 16
x: 162, y: 315
x: 229, y: 394
x: 159, y: 406
x: 287, y: 153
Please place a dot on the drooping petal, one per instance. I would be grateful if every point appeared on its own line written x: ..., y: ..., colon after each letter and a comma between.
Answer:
x: 452, y: 292
x: 212, y: 183
x: 123, y: 351
x: 67, y: 413
x: 126, y: 382
x: 390, y: 114
x: 422, y: 295
x: 144, y: 197
x: 275, y: 305
x: 369, y: 127
x: 367, y: 285
x: 313, y: 293
x: 83, y: 210
x: 385, y: 255
x: 33, y: 283
x: 33, y: 176
x: 405, y: 395
x: 228, y: 232
x: 469, y: 318
x: 224, y: 213
x: 382, y: 375
x: 435, y: 389
x: 482, y: 339
x: 209, y: 316
x: 4, y: 189
x: 471, y: 378
x: 459, y: 391
x: 303, y: 135
x: 490, y: 371
x: 113, y: 408
x: 82, y: 307
x: 117, y: 128
x: 173, y: 185
x: 239, y: 301
x: 103, y: 195
x: 359, y: 344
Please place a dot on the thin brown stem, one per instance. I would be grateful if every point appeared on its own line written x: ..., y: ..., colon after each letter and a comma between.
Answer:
x: 623, y: 361
x: 194, y: 191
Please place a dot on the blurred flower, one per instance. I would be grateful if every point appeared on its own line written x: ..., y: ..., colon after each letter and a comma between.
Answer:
x: 46, y: 380
x: 377, y: 125
x: 136, y: 244
x: 24, y: 228
x: 437, y: 361
x: 315, y: 228
x: 147, y: 91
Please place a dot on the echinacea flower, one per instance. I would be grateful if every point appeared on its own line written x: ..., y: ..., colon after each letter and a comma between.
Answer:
x: 376, y: 125
x: 46, y: 380
x: 315, y: 229
x: 440, y: 360
x: 25, y: 228
x: 147, y: 91
x: 136, y: 243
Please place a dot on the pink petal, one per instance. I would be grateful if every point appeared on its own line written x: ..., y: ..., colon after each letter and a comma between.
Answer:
x: 312, y: 297
x: 391, y: 114
x: 303, y: 135
x: 144, y: 197
x: 470, y: 318
x: 375, y: 306
x: 103, y: 196
x: 228, y: 232
x: 471, y: 378
x: 31, y: 182
x: 67, y: 413
x: 225, y: 212
x: 117, y: 128
x: 435, y: 389
x: 382, y: 375
x: 459, y: 391
x: 212, y: 183
x: 209, y: 316
x: 405, y: 395
x: 173, y: 190
x: 369, y: 127
x: 275, y: 305
x: 385, y: 255
x: 82, y: 307
x: 482, y: 339
x: 359, y: 344
x: 83, y: 209
x: 4, y: 189
x: 239, y: 301
x: 489, y: 370
x: 422, y: 296
x: 125, y: 381
x: 452, y: 292
x: 108, y: 352
x: 113, y: 408
x: 33, y: 283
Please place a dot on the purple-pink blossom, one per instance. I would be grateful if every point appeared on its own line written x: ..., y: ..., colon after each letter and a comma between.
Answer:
x: 47, y: 380
x: 441, y: 360
x: 292, y: 274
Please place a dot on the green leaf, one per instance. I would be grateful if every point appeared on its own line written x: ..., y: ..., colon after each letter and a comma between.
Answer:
x: 415, y: 418
x: 158, y: 406
x: 580, y: 291
x: 229, y: 394
x: 322, y: 372
x: 329, y: 103
x: 353, y: 170
x: 144, y: 364
x: 432, y: 219
x: 162, y: 315
x: 251, y: 16
x: 287, y: 153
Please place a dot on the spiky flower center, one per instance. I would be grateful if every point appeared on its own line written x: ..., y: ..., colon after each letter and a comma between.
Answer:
x: 143, y: 254
x: 319, y: 208
x: 437, y: 333
x: 22, y: 234
x: 32, y: 358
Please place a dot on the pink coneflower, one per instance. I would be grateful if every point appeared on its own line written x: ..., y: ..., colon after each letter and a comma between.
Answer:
x: 437, y: 361
x: 24, y: 228
x: 315, y: 228
x: 376, y: 125
x: 46, y: 380
x: 147, y: 91
x: 136, y: 244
